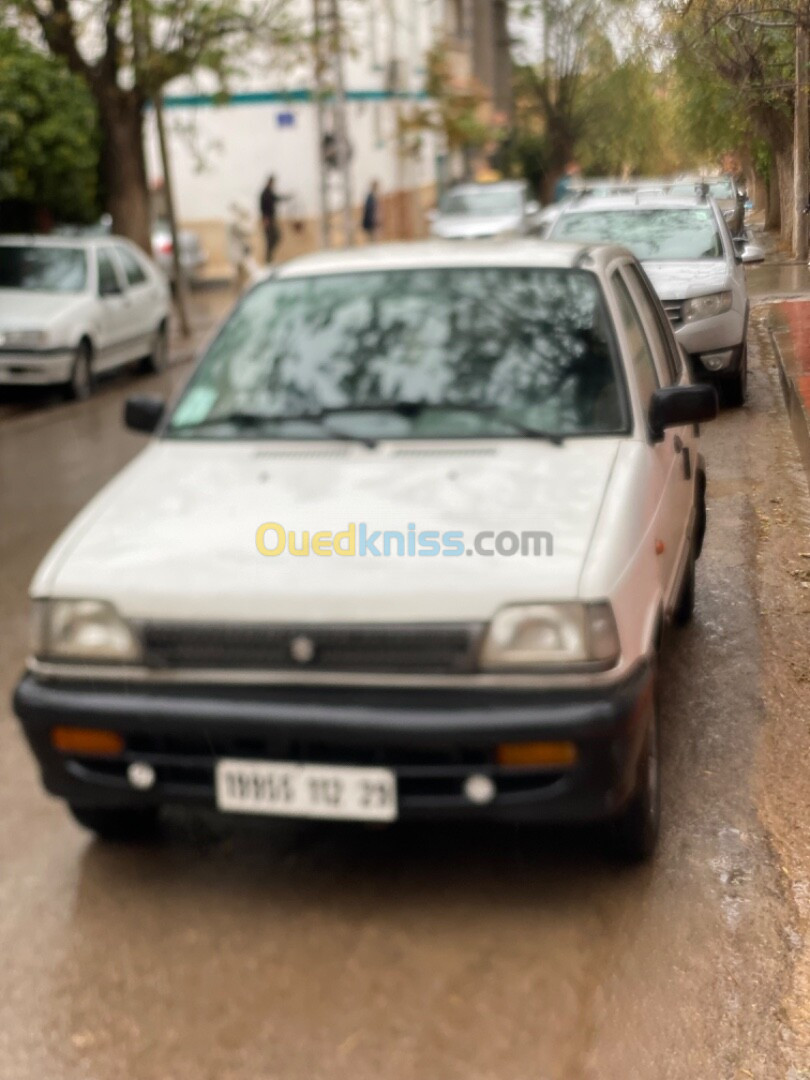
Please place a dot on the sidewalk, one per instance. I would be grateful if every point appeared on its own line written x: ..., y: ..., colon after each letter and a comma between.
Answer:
x: 789, y: 327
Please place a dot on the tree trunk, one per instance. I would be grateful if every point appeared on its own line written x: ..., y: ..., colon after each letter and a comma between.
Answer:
x: 123, y: 167
x: 772, y: 208
x: 784, y: 166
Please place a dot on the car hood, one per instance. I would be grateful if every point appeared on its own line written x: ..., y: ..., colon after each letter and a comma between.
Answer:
x: 467, y: 228
x: 21, y: 309
x: 174, y: 535
x: 692, y: 277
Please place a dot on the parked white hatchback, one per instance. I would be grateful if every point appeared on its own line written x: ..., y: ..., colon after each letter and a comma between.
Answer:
x: 406, y: 546
x: 71, y: 308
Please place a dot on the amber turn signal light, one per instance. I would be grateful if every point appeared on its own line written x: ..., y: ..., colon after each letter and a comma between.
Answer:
x: 77, y: 740
x: 558, y: 754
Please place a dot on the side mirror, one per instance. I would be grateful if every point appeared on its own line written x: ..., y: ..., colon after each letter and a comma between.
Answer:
x: 532, y: 208
x: 143, y: 412
x: 752, y: 253
x: 673, y: 406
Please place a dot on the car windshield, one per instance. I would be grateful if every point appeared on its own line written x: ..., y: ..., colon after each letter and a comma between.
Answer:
x: 486, y: 202
x: 650, y: 234
x: 424, y: 353
x: 42, y: 269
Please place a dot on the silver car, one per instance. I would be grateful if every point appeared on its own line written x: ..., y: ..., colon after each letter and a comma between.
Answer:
x: 481, y: 211
x: 696, y: 268
x: 192, y: 254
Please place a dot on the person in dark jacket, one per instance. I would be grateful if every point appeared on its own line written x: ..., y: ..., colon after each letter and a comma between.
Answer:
x: 268, y: 207
x: 371, y: 212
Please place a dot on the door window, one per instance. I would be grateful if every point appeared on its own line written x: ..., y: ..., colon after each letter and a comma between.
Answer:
x: 108, y: 283
x: 661, y: 335
x: 133, y: 271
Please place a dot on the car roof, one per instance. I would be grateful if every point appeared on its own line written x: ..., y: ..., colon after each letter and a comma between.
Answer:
x: 57, y: 240
x: 432, y: 254
x: 482, y: 185
x: 643, y: 199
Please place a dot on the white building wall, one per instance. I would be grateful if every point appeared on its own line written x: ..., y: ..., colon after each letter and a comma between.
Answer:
x: 222, y: 154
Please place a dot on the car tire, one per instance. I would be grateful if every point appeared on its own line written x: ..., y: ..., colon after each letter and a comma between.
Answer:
x: 79, y: 386
x: 158, y: 358
x: 734, y: 388
x: 635, y: 831
x: 685, y: 608
x: 117, y: 825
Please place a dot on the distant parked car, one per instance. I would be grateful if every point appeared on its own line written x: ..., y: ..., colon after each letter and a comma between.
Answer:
x: 481, y: 211
x: 193, y: 256
x: 71, y: 308
x: 696, y: 267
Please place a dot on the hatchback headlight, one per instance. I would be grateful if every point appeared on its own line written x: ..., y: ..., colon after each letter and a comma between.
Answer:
x: 533, y: 636
x: 703, y: 307
x: 23, y: 339
x: 82, y: 630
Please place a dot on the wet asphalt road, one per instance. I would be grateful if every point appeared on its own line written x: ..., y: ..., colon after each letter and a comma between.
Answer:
x: 301, y: 952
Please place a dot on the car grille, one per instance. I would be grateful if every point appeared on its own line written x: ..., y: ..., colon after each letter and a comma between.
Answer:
x: 448, y: 648
x: 674, y: 310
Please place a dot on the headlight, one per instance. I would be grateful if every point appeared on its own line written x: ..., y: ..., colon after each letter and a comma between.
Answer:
x: 703, y: 307
x: 533, y: 636
x: 23, y: 339
x: 82, y: 630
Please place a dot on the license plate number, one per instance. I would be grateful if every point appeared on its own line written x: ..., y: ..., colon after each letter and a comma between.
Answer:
x: 309, y: 791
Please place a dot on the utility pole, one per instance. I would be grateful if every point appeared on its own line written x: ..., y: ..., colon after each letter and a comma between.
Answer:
x: 341, y: 126
x: 179, y: 280
x: 326, y: 231
x: 801, y: 144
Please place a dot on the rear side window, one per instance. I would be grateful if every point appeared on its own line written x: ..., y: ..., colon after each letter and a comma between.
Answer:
x: 133, y: 271
x: 642, y: 361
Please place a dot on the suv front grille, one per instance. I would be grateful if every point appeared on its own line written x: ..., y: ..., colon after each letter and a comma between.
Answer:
x: 430, y: 648
x: 674, y: 310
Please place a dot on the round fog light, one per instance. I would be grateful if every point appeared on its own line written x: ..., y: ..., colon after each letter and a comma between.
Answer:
x: 717, y: 361
x: 141, y: 775
x: 479, y: 789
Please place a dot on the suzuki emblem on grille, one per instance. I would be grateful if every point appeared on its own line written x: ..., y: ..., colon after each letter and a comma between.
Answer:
x: 302, y: 649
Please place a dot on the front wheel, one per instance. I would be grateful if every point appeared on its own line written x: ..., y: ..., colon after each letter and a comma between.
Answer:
x: 158, y: 358
x: 734, y: 388
x: 79, y: 386
x: 117, y: 825
x: 635, y: 831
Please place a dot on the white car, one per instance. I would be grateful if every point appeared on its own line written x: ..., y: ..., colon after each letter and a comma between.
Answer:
x: 696, y: 267
x: 71, y: 308
x: 405, y: 546
x: 484, y: 210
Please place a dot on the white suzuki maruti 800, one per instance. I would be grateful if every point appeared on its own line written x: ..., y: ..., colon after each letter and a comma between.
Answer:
x: 404, y: 547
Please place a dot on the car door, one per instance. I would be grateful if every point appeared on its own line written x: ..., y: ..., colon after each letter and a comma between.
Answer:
x: 653, y: 367
x: 114, y: 317
x: 145, y: 313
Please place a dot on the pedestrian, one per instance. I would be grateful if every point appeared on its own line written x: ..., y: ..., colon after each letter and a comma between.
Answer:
x: 562, y: 188
x: 371, y: 212
x: 268, y: 204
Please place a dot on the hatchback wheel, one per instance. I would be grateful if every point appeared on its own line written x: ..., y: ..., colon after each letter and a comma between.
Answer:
x: 80, y: 385
x: 158, y: 358
x: 635, y: 832
x: 117, y: 824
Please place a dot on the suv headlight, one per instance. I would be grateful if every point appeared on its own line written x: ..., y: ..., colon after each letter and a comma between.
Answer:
x: 703, y: 307
x: 531, y: 636
x: 23, y: 339
x: 82, y: 630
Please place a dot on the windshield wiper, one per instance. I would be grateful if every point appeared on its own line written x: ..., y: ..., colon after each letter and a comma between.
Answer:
x: 416, y: 408
x: 242, y: 419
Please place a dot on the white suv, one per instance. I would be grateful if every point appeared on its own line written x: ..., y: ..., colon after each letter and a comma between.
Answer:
x: 405, y: 546
x: 690, y: 257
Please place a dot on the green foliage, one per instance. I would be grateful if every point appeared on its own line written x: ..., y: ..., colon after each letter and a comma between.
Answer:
x: 48, y: 133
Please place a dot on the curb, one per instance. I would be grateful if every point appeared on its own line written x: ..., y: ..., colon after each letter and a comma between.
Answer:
x: 797, y: 413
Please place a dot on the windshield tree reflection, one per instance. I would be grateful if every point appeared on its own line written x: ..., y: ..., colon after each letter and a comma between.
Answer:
x: 531, y: 344
x: 649, y: 234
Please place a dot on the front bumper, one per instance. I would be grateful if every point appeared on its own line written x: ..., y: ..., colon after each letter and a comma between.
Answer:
x: 722, y: 332
x: 432, y: 740
x: 35, y: 368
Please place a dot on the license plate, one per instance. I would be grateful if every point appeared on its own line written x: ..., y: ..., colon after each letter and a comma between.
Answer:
x: 308, y: 791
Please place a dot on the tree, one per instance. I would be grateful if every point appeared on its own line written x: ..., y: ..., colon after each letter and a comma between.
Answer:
x: 48, y: 134
x: 126, y: 51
